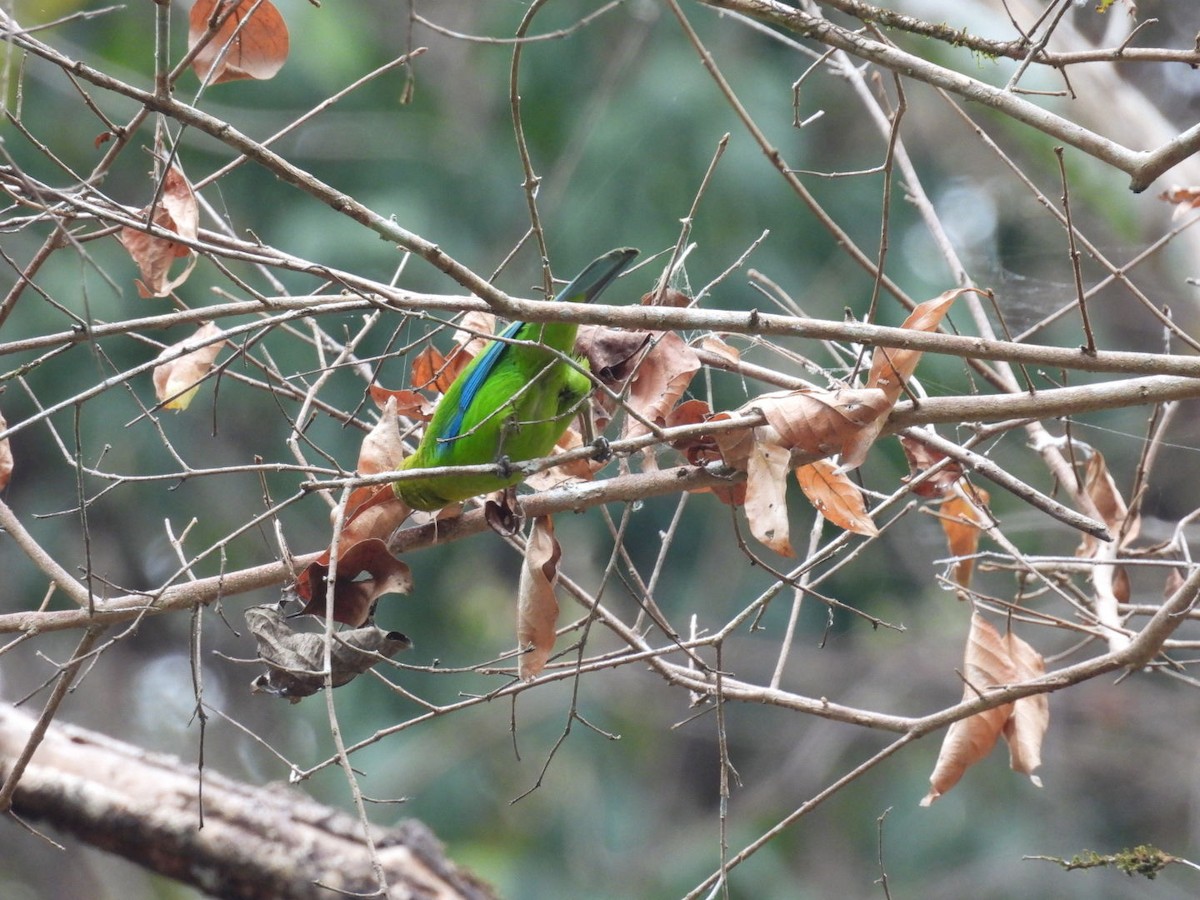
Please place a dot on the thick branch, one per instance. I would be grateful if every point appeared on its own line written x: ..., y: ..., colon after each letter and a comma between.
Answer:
x: 256, y: 842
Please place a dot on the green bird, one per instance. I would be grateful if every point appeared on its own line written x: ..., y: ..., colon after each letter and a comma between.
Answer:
x: 511, y: 402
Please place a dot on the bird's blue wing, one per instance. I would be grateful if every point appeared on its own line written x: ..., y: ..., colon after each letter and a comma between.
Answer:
x: 486, y: 365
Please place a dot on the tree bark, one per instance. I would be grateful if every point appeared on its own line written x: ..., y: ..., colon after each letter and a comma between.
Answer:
x: 261, y: 843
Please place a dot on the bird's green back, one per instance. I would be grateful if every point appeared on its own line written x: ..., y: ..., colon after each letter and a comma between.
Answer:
x: 514, y: 400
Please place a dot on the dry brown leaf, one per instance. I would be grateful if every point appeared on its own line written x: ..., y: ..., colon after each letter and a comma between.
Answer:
x: 693, y: 412
x: 892, y: 366
x: 1184, y: 199
x: 611, y: 353
x: 661, y: 378
x: 467, y: 340
x: 175, y: 211
x: 922, y: 457
x: 963, y: 515
x: 354, y: 597
x: 715, y: 345
x: 257, y: 39
x: 1026, y: 728
x: 986, y: 664
x: 433, y: 371
x: 295, y: 660
x: 1099, y: 485
x: 836, y: 497
x: 766, y: 496
x: 6, y: 457
x: 806, y: 422
x: 177, y: 381
x: 537, y: 607
x: 410, y: 404
x: 573, y: 472
x: 372, y: 511
x: 667, y: 297
x: 382, y: 449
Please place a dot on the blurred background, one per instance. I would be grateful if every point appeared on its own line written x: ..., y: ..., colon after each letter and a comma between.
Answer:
x: 622, y: 122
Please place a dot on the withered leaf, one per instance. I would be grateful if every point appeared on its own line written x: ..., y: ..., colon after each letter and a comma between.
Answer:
x: 1026, y: 728
x: 1099, y: 485
x: 467, y: 340
x: 1184, y: 199
x: 892, y: 366
x: 433, y: 371
x: 250, y: 43
x: 354, y: 596
x: 986, y: 664
x: 699, y: 449
x: 805, y: 422
x: 6, y: 457
x: 921, y: 457
x: 991, y: 661
x: 175, y: 211
x: 963, y: 515
x: 836, y: 497
x: 715, y: 345
x: 537, y: 607
x: 296, y: 660
x: 611, y: 353
x: 408, y: 403
x: 177, y: 381
x: 668, y: 296
x: 766, y: 496
x: 660, y: 380
x: 382, y: 450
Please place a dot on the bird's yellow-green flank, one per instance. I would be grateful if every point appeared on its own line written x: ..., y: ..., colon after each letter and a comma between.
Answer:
x: 512, y: 401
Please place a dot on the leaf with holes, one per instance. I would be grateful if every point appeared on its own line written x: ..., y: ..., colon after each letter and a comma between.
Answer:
x: 836, y: 497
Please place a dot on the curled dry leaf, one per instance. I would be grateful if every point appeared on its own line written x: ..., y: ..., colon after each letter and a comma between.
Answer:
x: 1109, y: 579
x: 963, y: 515
x: 992, y: 661
x: 892, y: 366
x: 700, y: 449
x: 1026, y: 727
x: 537, y: 607
x: 6, y: 457
x: 354, y: 596
x: 921, y: 457
x: 572, y: 472
x: 175, y: 211
x: 1184, y: 199
x: 715, y: 345
x: 296, y: 660
x: 177, y: 380
x: 382, y: 450
x: 766, y: 496
x: 433, y: 371
x: 660, y: 380
x: 666, y: 297
x: 806, y: 422
x: 836, y: 497
x: 250, y: 43
x: 611, y: 353
x: 467, y: 338
x: 410, y: 404
x: 1099, y: 485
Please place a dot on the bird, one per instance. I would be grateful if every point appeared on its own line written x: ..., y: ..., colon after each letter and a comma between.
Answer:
x: 512, y: 402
